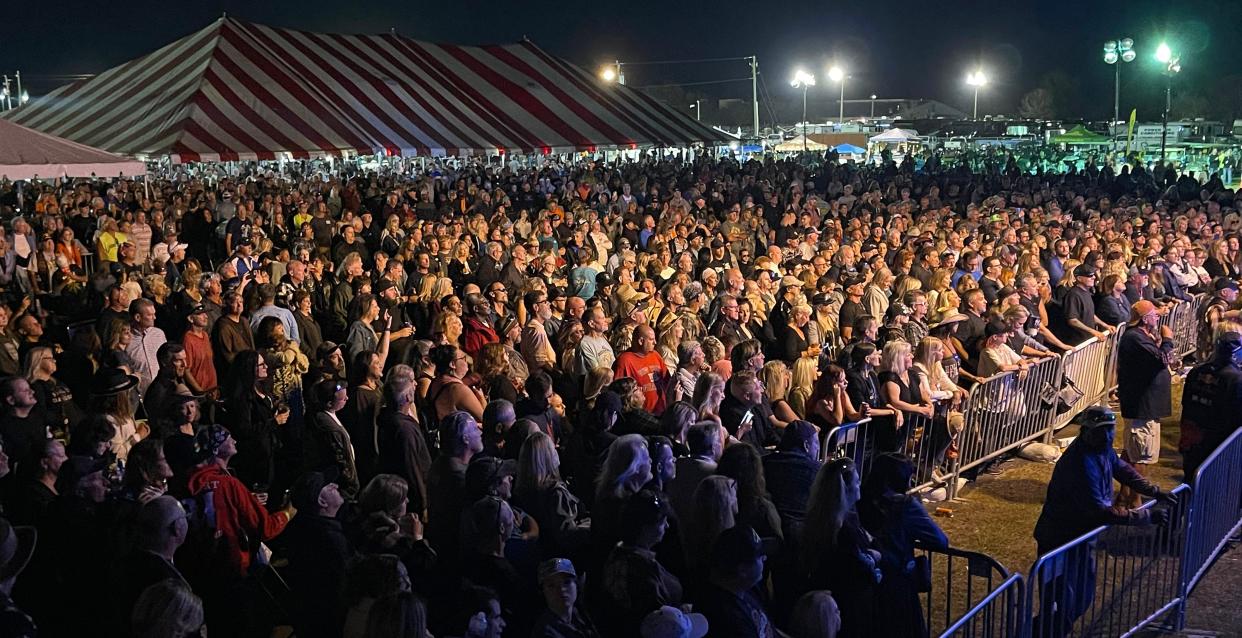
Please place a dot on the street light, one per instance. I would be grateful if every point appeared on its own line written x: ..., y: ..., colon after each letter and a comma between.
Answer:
x: 1116, y: 51
x: 976, y: 79
x: 804, y: 81
x: 612, y: 73
x: 698, y: 111
x: 873, y: 106
x: 1172, y: 64
x: 837, y: 74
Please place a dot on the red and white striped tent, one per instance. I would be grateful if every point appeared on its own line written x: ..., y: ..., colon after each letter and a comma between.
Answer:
x: 241, y: 91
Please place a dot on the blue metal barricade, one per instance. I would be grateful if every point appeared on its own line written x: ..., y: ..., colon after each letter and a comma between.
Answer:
x: 1006, y: 411
x: 998, y: 615
x: 1111, y: 581
x: 1216, y: 509
x: 960, y: 580
x: 927, y: 444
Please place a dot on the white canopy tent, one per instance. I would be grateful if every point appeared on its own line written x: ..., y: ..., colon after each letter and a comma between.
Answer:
x: 27, y: 154
x: 795, y: 145
x: 895, y: 136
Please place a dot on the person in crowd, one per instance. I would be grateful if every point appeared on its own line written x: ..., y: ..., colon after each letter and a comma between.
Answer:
x: 558, y: 581
x: 1144, y: 389
x: 837, y: 553
x: 253, y: 420
x: 460, y: 439
x: 815, y: 615
x: 705, y: 441
x: 1211, y: 403
x: 1080, y: 498
x: 897, y: 521
x: 402, y: 441
x: 17, y: 544
x: 319, y: 551
x: 161, y: 527
x: 626, y: 469
x: 564, y: 527
x: 743, y: 464
x: 328, y: 446
x: 634, y: 581
x: 728, y: 600
x: 643, y: 364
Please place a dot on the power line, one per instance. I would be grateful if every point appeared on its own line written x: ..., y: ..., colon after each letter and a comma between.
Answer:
x: 699, y: 61
x: 660, y: 86
x: 768, y: 102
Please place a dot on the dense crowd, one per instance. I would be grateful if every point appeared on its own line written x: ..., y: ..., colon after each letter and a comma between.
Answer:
x: 577, y: 399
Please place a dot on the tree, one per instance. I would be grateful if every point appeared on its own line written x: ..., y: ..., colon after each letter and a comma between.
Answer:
x: 1063, y: 91
x: 1036, y: 105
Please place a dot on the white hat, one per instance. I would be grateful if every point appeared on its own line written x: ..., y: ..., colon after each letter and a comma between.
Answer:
x: 671, y: 622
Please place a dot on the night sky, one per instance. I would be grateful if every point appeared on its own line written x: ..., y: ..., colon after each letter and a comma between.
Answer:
x: 893, y: 49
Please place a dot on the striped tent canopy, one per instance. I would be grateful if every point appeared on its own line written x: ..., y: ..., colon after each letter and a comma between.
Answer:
x: 242, y: 91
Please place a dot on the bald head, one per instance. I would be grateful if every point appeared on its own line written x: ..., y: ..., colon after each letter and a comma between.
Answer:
x: 644, y: 339
x: 161, y: 524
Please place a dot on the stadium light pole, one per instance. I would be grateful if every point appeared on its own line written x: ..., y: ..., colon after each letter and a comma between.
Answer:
x: 1172, y: 64
x: 698, y: 110
x: 1117, y: 52
x: 837, y: 74
x: 873, y: 106
x: 976, y: 79
x: 613, y: 73
x: 804, y: 81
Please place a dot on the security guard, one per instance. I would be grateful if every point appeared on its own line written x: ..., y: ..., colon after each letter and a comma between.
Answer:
x: 1080, y: 498
x: 1211, y: 403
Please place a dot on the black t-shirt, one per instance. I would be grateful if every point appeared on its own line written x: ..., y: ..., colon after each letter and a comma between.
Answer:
x: 1078, y: 304
x: 969, y: 332
x: 850, y: 311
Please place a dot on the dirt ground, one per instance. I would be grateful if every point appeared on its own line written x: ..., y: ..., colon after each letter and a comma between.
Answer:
x: 996, y: 515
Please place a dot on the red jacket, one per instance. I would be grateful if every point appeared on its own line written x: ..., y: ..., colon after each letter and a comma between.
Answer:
x: 477, y: 334
x: 237, y: 511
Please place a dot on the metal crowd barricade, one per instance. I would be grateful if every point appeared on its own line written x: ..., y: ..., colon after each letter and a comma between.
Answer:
x: 1183, y: 320
x: 998, y: 615
x: 960, y: 580
x: 1008, y: 410
x: 927, y: 444
x: 1111, y: 581
x: 1216, y: 507
x: 1085, y: 368
x: 852, y: 441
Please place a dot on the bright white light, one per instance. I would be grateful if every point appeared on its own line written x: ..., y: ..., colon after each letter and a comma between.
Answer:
x: 1128, y: 55
x: 802, y: 78
x: 1127, y: 44
x: 976, y: 78
x: 25, y: 97
x: 733, y: 145
x: 1164, y: 53
x: 608, y: 74
x: 873, y: 96
x: 836, y: 74
x: 1110, y: 57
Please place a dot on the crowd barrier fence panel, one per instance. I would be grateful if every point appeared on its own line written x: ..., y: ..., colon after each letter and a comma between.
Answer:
x: 1216, y: 509
x: 850, y: 440
x: 960, y: 580
x: 1111, y: 581
x: 927, y: 445
x: 1183, y: 320
x: 998, y: 615
x: 1084, y: 369
x: 1008, y: 410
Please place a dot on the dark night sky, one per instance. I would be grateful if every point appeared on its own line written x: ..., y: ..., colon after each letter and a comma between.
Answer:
x: 895, y: 49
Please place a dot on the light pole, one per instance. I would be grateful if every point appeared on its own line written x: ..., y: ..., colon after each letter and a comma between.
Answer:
x: 698, y: 110
x: 1116, y: 52
x: 1172, y: 64
x: 612, y: 73
x: 873, y: 106
x: 836, y: 74
x: 804, y: 81
x: 976, y: 79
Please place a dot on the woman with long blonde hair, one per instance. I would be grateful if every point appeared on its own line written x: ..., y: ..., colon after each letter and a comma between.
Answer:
x: 837, y: 553
x: 801, y: 384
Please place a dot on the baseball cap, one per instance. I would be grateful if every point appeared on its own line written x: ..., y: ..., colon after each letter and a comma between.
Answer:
x: 737, y: 545
x: 485, y: 471
x: 796, y: 434
x: 384, y: 284
x: 1224, y: 283
x: 603, y: 279
x: 304, y: 494
x: 554, y: 566
x: 1084, y: 270
x: 1095, y: 416
x: 198, y: 308
x: 1141, y: 308
x: 671, y: 622
x: 326, y: 349
x: 717, y: 243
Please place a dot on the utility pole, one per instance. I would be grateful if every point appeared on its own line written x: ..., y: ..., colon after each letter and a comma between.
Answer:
x: 21, y: 95
x: 754, y: 90
x: 8, y: 103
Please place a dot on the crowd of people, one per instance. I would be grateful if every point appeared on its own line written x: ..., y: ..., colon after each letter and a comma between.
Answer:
x: 575, y: 399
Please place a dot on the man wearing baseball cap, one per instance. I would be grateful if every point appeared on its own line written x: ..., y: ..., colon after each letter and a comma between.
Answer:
x: 1080, y: 498
x: 558, y: 580
x: 728, y: 599
x: 1078, y: 308
x: 1144, y: 388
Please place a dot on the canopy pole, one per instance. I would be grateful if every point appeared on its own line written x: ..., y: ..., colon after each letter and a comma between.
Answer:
x: 146, y: 184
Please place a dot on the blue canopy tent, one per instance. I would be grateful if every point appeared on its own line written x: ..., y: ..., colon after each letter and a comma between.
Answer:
x: 850, y: 149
